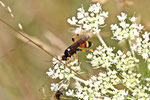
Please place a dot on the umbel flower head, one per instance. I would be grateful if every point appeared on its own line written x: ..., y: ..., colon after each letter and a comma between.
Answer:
x: 126, y: 30
x: 117, y: 69
x: 94, y: 88
x: 90, y: 21
x: 106, y: 58
x: 118, y: 77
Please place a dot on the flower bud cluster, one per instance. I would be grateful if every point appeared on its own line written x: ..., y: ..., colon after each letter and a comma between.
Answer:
x: 126, y: 30
x: 90, y: 21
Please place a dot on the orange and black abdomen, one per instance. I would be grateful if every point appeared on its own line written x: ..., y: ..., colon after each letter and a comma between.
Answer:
x: 84, y: 43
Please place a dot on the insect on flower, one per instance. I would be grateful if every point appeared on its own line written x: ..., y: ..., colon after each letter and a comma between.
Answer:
x: 57, y: 95
x: 81, y: 43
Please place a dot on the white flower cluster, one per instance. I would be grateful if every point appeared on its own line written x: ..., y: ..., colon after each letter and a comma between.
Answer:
x: 96, y: 87
x: 126, y: 30
x: 104, y: 86
x: 125, y: 62
x: 104, y: 57
x: 56, y: 86
x: 142, y: 46
x: 90, y: 21
x: 125, y: 67
x: 139, y: 90
x: 60, y: 71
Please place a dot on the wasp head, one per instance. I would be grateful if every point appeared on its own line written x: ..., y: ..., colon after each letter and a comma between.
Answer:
x: 64, y: 57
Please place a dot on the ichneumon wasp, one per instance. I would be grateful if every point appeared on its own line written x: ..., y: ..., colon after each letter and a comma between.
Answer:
x: 72, y: 49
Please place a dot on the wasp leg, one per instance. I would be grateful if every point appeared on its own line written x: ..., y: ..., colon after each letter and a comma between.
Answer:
x: 75, y: 56
x: 73, y: 40
x: 74, y: 37
x: 84, y: 50
x: 68, y: 59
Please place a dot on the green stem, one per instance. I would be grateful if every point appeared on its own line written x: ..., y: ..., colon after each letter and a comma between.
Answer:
x: 130, y: 44
x: 79, y: 79
x: 101, y: 40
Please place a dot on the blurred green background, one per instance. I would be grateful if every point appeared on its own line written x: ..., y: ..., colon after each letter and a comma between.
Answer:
x: 22, y: 66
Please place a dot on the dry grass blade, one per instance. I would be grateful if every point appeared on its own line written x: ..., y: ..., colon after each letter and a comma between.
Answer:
x: 55, y: 40
x: 45, y: 46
